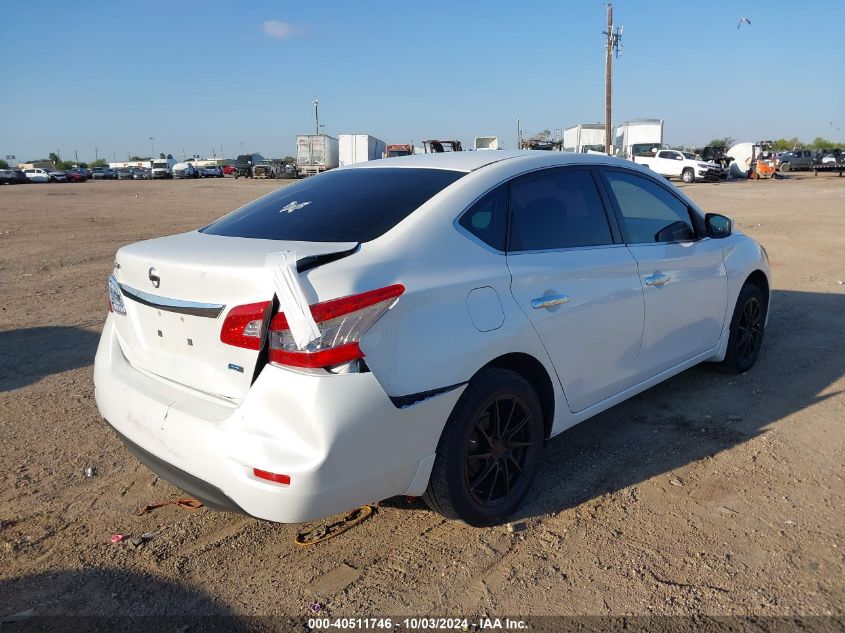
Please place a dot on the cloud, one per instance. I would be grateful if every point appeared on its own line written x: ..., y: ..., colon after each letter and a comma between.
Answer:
x: 279, y: 30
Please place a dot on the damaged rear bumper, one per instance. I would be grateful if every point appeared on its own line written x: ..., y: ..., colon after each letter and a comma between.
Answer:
x: 339, y: 438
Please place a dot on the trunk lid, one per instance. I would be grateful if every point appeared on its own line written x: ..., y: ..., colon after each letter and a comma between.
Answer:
x: 178, y: 291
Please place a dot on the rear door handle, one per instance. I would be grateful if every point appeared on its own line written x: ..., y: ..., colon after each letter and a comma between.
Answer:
x: 657, y: 280
x: 548, y: 301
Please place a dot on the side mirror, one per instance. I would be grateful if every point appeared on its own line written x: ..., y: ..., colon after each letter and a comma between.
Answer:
x: 718, y: 226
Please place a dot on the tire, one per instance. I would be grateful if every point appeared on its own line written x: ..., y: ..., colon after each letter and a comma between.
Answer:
x: 747, y: 329
x: 688, y: 175
x: 785, y: 167
x: 473, y: 442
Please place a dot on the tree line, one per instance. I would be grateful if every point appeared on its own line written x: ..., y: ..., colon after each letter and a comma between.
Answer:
x: 784, y: 144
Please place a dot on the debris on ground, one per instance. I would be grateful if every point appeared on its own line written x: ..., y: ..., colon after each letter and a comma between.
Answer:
x: 7, y: 523
x: 676, y: 482
x: 90, y: 472
x: 330, y: 530
x: 17, y: 617
x: 119, y: 538
x: 188, y: 503
x: 315, y: 607
x: 138, y: 541
x: 518, y: 526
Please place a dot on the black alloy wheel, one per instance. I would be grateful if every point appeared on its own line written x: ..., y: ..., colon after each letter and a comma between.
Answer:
x: 749, y: 330
x: 748, y: 326
x: 489, y: 451
x: 497, y: 450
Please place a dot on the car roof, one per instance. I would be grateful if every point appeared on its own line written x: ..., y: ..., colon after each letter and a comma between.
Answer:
x: 470, y: 161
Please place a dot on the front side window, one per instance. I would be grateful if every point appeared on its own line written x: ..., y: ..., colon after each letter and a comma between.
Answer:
x: 487, y: 219
x: 650, y: 213
x: 555, y: 209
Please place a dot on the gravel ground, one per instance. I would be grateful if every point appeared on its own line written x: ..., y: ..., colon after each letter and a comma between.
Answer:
x: 710, y: 494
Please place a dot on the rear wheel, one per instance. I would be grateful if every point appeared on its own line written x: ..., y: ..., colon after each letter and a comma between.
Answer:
x: 688, y: 175
x: 785, y: 167
x: 747, y: 328
x: 490, y: 450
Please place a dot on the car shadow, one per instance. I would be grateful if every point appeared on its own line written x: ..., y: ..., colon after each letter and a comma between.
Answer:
x: 29, y: 354
x: 111, y: 600
x: 700, y: 412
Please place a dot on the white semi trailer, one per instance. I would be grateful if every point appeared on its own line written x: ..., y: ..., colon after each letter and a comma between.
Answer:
x: 584, y: 138
x: 638, y: 136
x: 315, y: 153
x: 358, y: 148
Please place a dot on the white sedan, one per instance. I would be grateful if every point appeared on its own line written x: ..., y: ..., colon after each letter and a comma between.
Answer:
x: 416, y: 326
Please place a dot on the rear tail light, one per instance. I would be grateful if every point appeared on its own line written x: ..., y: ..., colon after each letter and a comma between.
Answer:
x: 244, y: 324
x: 342, y: 322
x: 115, y: 297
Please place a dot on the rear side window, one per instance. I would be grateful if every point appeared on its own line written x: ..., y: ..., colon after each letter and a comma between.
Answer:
x: 557, y: 209
x: 348, y: 205
x: 650, y: 213
x: 487, y: 219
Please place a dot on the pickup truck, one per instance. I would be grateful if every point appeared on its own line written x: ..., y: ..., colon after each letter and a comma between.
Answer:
x: 684, y: 165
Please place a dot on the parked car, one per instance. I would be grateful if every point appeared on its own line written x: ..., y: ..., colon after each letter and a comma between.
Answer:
x: 244, y: 164
x: 228, y: 170
x: 75, y: 175
x: 125, y: 173
x: 37, y: 174
x: 142, y: 173
x: 103, y: 173
x: 81, y: 170
x: 12, y: 177
x: 58, y: 175
x: 794, y: 160
x: 185, y: 170
x: 479, y: 303
x: 211, y: 171
x: 826, y: 156
x: 675, y: 164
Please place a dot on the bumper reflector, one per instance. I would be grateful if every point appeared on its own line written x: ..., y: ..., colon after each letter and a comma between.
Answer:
x: 274, y: 477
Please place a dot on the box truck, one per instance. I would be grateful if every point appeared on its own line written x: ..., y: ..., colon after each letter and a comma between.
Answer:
x: 638, y: 136
x: 315, y: 153
x: 584, y: 138
x: 359, y: 148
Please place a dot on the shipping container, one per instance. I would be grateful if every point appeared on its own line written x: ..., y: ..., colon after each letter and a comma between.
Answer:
x: 315, y: 153
x: 359, y: 148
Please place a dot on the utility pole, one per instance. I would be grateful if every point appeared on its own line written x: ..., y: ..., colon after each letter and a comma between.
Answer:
x: 152, y: 150
x: 612, y: 47
x: 518, y: 135
x: 316, y: 116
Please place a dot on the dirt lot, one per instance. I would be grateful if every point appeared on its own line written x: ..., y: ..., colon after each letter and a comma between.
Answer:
x: 709, y: 494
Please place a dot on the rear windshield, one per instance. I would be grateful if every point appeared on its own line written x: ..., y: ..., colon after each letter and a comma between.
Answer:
x: 354, y: 205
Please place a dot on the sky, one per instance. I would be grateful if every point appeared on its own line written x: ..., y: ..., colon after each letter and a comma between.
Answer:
x: 210, y: 77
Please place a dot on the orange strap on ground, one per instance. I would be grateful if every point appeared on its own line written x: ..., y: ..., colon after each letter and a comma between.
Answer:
x: 330, y: 530
x: 188, y: 503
